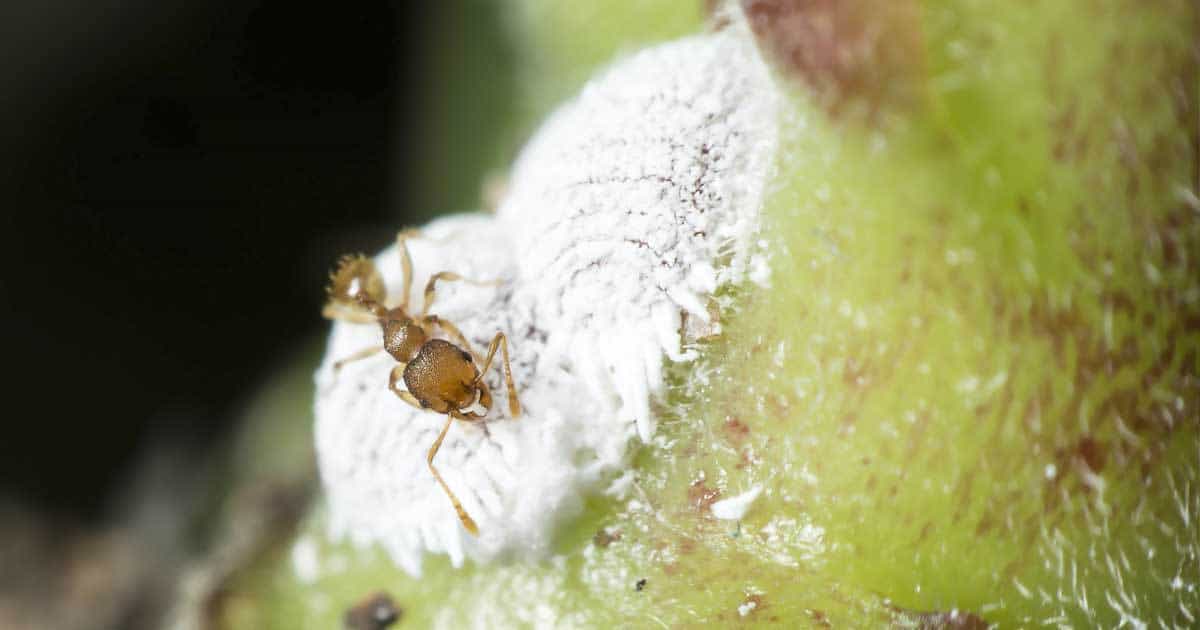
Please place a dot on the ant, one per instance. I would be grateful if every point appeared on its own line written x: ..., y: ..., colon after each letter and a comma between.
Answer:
x: 439, y: 375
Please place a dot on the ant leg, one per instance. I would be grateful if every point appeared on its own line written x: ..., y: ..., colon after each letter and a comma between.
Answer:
x: 465, y: 518
x: 449, y: 276
x: 485, y: 393
x: 408, y: 398
x: 357, y: 356
x: 405, y: 265
x: 474, y: 418
x: 451, y: 331
x: 514, y: 405
x: 393, y: 378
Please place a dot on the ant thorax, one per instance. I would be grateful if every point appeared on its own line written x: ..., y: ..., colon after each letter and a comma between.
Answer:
x: 401, y: 337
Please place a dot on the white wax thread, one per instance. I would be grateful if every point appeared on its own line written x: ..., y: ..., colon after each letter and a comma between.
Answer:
x: 633, y: 204
x: 735, y: 507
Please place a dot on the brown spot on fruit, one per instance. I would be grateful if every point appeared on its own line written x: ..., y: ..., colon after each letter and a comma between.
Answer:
x: 1092, y: 452
x: 855, y: 373
x: 604, y: 538
x: 819, y: 619
x: 735, y: 429
x: 753, y: 604
x: 701, y: 497
x: 845, y: 50
x: 940, y: 620
x: 746, y: 459
x: 376, y: 612
x: 925, y: 531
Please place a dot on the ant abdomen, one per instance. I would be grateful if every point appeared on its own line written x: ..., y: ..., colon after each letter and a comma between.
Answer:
x: 442, y: 377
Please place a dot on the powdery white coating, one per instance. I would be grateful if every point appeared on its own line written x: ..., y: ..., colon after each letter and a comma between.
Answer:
x: 626, y: 200
x: 634, y: 203
x: 735, y: 507
x: 371, y: 445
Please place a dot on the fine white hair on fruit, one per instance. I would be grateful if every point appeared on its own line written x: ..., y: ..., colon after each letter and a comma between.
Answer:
x: 632, y: 205
x: 735, y: 507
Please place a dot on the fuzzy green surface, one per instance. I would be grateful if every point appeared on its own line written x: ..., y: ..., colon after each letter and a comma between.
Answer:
x: 988, y: 378
x: 462, y: 105
x: 974, y: 382
x: 560, y: 44
x: 495, y: 68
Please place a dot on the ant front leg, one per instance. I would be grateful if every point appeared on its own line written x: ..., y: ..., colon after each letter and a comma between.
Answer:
x: 449, y: 276
x: 473, y: 418
x: 463, y: 517
x: 514, y: 405
x: 395, y: 377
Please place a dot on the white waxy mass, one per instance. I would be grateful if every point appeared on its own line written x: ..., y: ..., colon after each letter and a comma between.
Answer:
x: 633, y: 204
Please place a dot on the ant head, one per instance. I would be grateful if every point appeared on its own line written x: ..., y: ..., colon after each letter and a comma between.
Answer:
x: 355, y: 283
x: 402, y: 337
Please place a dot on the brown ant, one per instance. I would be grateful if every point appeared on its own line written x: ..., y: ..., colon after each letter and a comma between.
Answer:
x: 439, y: 376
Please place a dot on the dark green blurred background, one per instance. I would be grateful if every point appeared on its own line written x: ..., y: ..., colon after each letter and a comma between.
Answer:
x: 179, y: 176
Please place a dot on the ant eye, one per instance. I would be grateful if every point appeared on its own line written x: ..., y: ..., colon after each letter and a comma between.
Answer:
x: 465, y: 355
x: 424, y: 403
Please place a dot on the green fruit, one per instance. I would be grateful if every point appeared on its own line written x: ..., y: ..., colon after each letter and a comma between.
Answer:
x: 973, y: 384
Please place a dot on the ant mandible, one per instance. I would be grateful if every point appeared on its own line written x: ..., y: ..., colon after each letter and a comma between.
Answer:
x: 439, y: 376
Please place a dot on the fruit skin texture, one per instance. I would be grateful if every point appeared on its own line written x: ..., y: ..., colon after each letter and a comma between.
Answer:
x: 973, y: 384
x: 991, y: 363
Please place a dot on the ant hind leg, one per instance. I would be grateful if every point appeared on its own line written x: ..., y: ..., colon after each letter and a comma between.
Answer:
x: 357, y: 356
x: 463, y: 517
x: 344, y: 313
